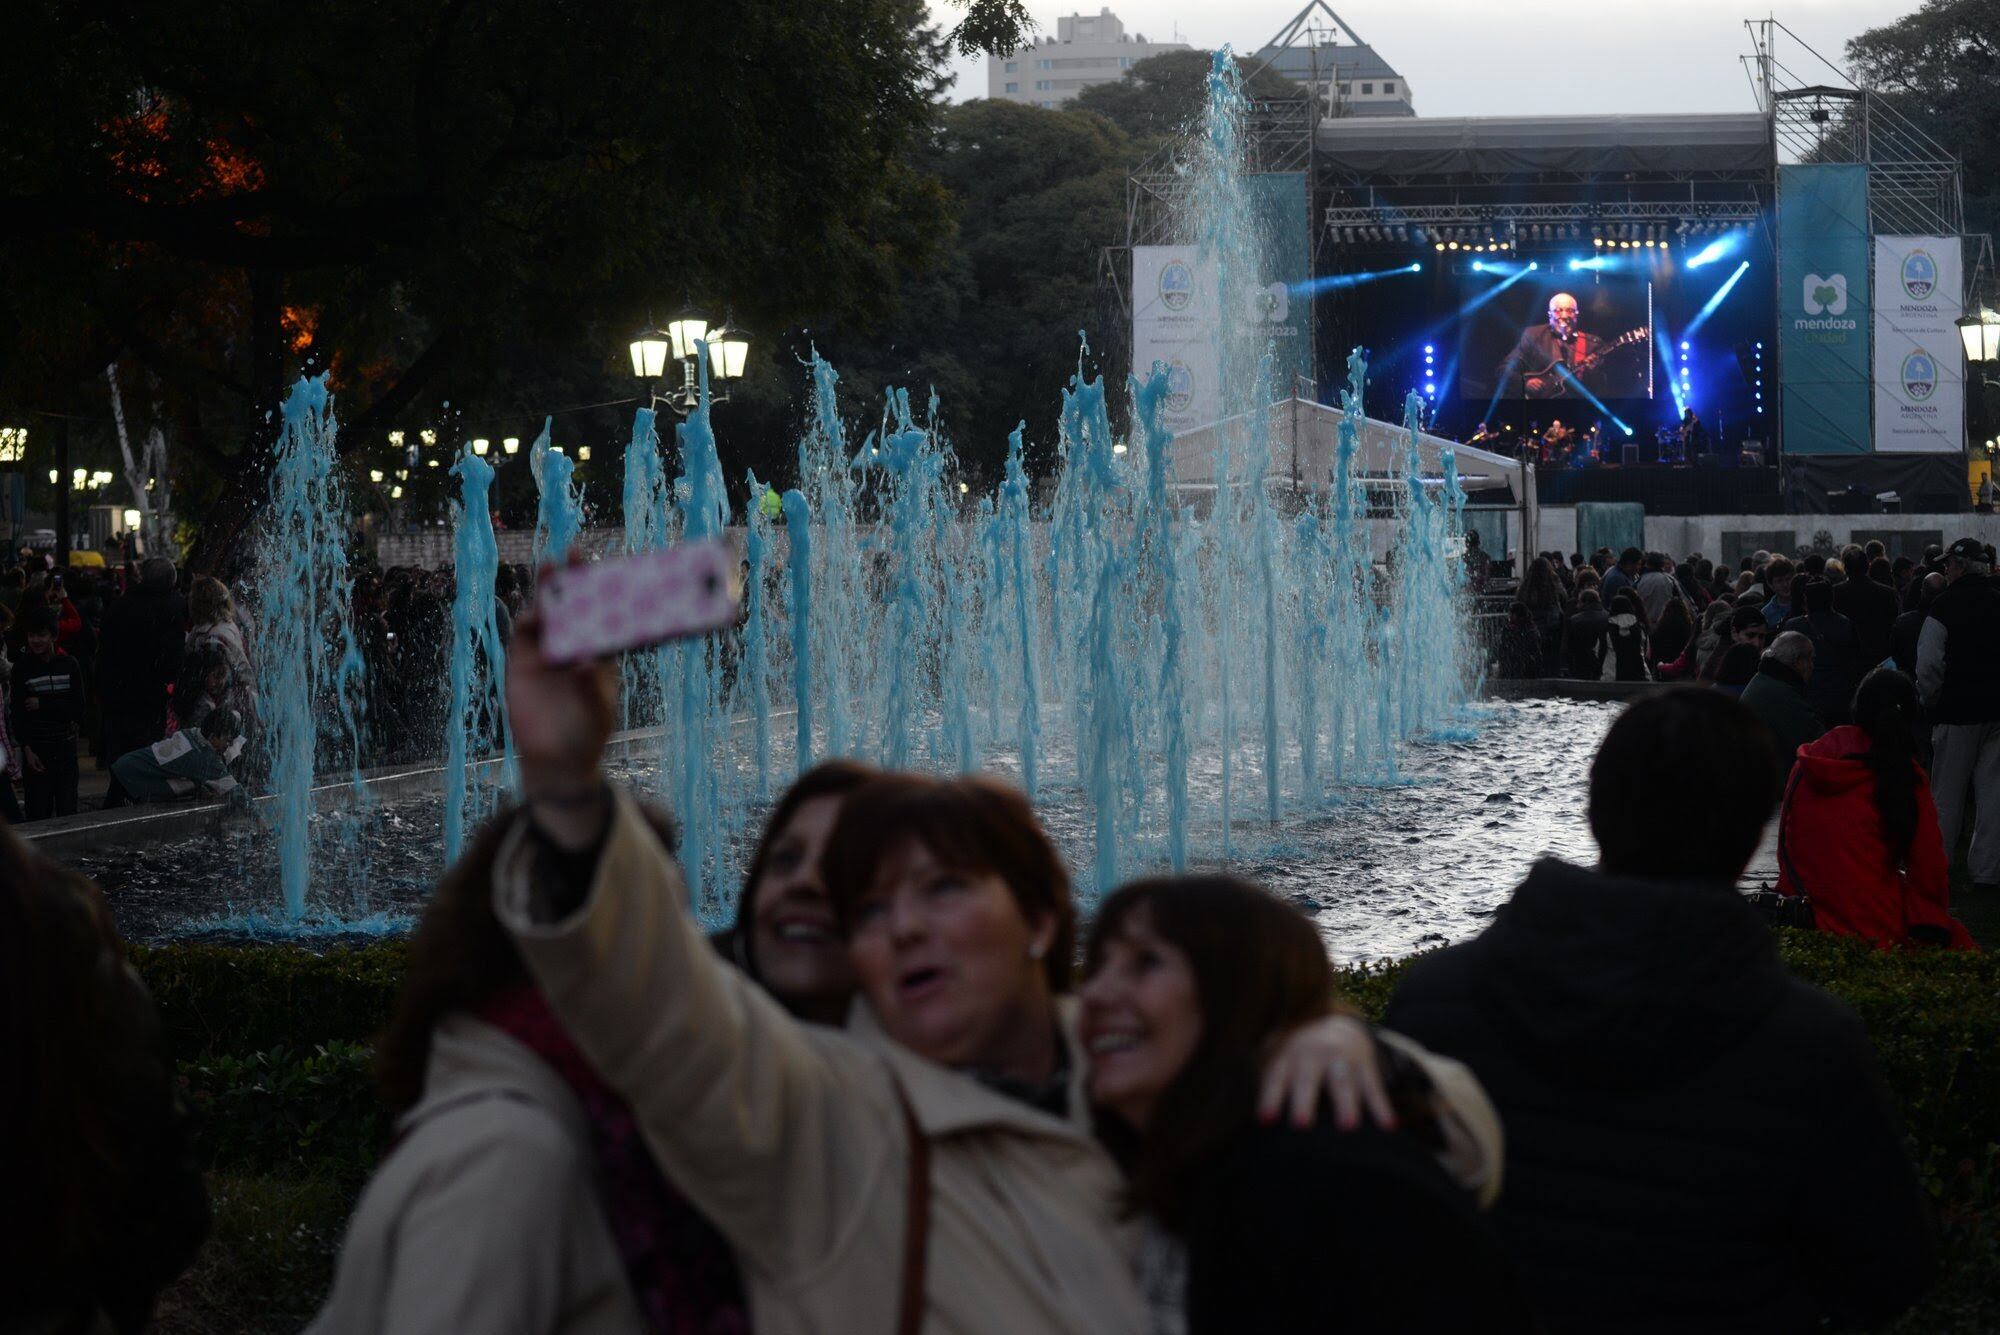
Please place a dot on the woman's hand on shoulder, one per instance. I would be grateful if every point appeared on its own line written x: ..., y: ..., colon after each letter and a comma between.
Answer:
x: 1336, y: 1058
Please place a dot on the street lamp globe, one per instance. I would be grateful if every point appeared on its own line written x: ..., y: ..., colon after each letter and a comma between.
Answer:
x: 728, y: 351
x: 511, y: 444
x: 480, y: 445
x: 649, y: 354
x: 686, y: 330
x: 1981, y: 335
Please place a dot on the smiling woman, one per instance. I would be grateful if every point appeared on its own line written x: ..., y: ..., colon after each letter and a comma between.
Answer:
x: 785, y: 935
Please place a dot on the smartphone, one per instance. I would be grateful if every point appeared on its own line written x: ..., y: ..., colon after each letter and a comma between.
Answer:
x: 630, y: 602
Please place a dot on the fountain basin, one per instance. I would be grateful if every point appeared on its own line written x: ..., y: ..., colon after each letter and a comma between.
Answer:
x: 1384, y: 868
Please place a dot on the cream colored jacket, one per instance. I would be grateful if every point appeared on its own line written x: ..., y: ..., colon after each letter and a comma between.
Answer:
x: 790, y: 1138
x: 485, y: 1217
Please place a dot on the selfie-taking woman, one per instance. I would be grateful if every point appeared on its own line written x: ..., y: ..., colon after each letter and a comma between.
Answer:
x: 930, y: 1164
x: 1276, y: 1227
x: 846, y: 1168
x: 519, y: 1194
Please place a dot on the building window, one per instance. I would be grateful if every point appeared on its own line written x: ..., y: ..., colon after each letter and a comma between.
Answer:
x: 1368, y: 90
x: 1049, y: 105
x: 1045, y: 64
x: 1044, y: 85
x: 1013, y: 87
x: 1389, y: 87
x: 1347, y: 90
x: 1013, y: 66
x: 1124, y: 62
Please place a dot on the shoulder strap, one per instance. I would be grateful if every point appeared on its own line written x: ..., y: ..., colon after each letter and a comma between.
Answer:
x: 916, y: 1222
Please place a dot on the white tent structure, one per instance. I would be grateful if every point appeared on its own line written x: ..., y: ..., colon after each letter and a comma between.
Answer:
x: 1304, y: 437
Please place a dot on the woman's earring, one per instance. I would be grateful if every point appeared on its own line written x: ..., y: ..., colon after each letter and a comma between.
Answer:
x: 1036, y: 950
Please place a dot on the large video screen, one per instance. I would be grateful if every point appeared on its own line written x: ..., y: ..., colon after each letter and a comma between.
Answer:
x: 1556, y: 336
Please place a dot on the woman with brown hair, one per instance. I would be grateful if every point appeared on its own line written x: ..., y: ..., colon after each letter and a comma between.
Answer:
x: 1327, y: 1226
x: 520, y: 1193
x: 104, y: 1202
x: 932, y: 1163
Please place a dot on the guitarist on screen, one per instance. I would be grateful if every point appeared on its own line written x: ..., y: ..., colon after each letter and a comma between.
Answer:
x: 1545, y: 347
x: 1551, y: 359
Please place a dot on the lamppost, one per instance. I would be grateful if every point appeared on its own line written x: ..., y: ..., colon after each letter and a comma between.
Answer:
x: 682, y: 341
x: 1980, y: 332
x: 13, y: 452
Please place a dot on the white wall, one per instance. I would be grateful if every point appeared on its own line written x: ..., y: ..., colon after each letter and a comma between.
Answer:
x: 1677, y: 535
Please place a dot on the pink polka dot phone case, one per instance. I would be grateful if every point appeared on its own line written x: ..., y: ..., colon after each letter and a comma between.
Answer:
x: 629, y: 602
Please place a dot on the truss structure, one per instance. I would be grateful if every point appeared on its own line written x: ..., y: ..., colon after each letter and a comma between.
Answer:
x: 1914, y: 183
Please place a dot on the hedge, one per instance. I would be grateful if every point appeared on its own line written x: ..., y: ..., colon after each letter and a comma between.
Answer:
x: 272, y: 1048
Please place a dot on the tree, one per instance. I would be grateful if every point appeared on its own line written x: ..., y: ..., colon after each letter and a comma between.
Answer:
x: 992, y: 322
x: 1941, y: 67
x: 426, y: 198
x: 1163, y: 95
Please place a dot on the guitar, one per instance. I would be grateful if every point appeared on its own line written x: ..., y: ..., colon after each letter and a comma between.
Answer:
x: 1551, y: 383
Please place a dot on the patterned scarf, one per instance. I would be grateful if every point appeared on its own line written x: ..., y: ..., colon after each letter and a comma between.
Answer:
x: 682, y: 1271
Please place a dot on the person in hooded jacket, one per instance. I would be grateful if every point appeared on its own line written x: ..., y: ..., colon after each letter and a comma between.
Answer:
x: 1859, y: 834
x: 1696, y: 1139
x: 1629, y: 657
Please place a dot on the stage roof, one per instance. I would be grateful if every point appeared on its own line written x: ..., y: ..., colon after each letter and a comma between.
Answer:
x: 1441, y: 146
x: 1305, y: 435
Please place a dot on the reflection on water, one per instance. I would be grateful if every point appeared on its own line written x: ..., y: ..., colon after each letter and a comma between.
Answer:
x: 1384, y: 870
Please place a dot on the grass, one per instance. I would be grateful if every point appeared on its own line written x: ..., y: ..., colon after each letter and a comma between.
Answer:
x: 268, y: 1260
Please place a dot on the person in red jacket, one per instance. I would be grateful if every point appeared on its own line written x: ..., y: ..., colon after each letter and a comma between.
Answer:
x: 1858, y: 834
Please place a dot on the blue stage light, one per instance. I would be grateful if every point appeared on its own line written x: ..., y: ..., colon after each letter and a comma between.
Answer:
x: 1430, y: 347
x: 1715, y: 250
x: 1416, y: 268
x: 1684, y: 345
x: 1721, y: 294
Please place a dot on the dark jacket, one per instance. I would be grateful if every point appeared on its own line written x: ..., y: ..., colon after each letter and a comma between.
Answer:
x: 1696, y: 1140
x: 1519, y: 653
x: 147, y: 1209
x: 1322, y: 1230
x: 1969, y: 611
x: 1872, y: 609
x: 1838, y: 662
x: 1904, y: 632
x: 55, y: 685
x: 1778, y: 696
x: 1584, y: 643
x: 141, y: 655
x: 1628, y: 658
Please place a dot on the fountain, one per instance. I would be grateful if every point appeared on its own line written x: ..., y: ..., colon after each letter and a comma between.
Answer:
x: 1179, y: 675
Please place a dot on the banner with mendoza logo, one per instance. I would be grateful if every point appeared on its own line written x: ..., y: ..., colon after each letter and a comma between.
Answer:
x: 1174, y: 317
x: 1173, y: 321
x: 1919, y: 379
x: 1823, y: 308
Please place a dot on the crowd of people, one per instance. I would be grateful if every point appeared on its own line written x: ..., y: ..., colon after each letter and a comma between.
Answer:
x: 911, y: 1090
x: 1879, y: 680
x: 149, y: 670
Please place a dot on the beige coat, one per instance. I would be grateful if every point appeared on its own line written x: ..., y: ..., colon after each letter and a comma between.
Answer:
x: 789, y: 1137
x: 485, y: 1217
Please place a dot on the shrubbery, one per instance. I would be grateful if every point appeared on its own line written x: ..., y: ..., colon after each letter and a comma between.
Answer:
x: 272, y: 1048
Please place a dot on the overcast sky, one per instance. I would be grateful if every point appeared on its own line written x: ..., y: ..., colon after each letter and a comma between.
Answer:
x: 1519, y: 57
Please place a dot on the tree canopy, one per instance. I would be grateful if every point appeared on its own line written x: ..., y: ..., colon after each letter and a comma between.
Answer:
x: 1162, y: 95
x: 1941, y: 65
x: 425, y: 196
